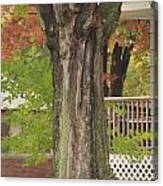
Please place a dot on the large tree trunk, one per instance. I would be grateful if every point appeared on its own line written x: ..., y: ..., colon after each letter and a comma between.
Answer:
x: 75, y: 35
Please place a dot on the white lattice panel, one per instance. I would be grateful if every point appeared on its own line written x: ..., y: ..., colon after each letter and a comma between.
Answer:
x: 124, y: 169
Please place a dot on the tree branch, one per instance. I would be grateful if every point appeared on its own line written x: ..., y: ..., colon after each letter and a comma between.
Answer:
x: 110, y: 13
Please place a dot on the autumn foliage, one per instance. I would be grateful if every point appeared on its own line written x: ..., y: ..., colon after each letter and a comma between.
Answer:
x: 19, y: 32
x: 137, y: 31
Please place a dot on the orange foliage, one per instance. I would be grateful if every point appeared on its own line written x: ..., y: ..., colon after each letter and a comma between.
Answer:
x: 21, y: 32
x: 108, y: 77
x: 140, y: 29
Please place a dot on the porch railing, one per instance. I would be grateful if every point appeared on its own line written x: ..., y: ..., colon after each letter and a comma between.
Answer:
x: 128, y: 116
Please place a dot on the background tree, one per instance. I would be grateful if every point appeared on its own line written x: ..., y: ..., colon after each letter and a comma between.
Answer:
x: 20, y: 29
x: 26, y: 85
x: 76, y: 34
x: 127, y: 59
x: 119, y: 65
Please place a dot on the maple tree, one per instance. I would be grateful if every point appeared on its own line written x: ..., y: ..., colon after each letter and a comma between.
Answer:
x: 134, y: 30
x: 26, y: 74
x: 134, y: 34
x: 20, y: 31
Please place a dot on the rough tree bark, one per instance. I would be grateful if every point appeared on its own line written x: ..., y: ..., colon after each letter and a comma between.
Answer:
x: 75, y: 37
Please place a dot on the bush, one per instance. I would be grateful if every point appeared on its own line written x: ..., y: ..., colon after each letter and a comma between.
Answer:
x: 28, y: 75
